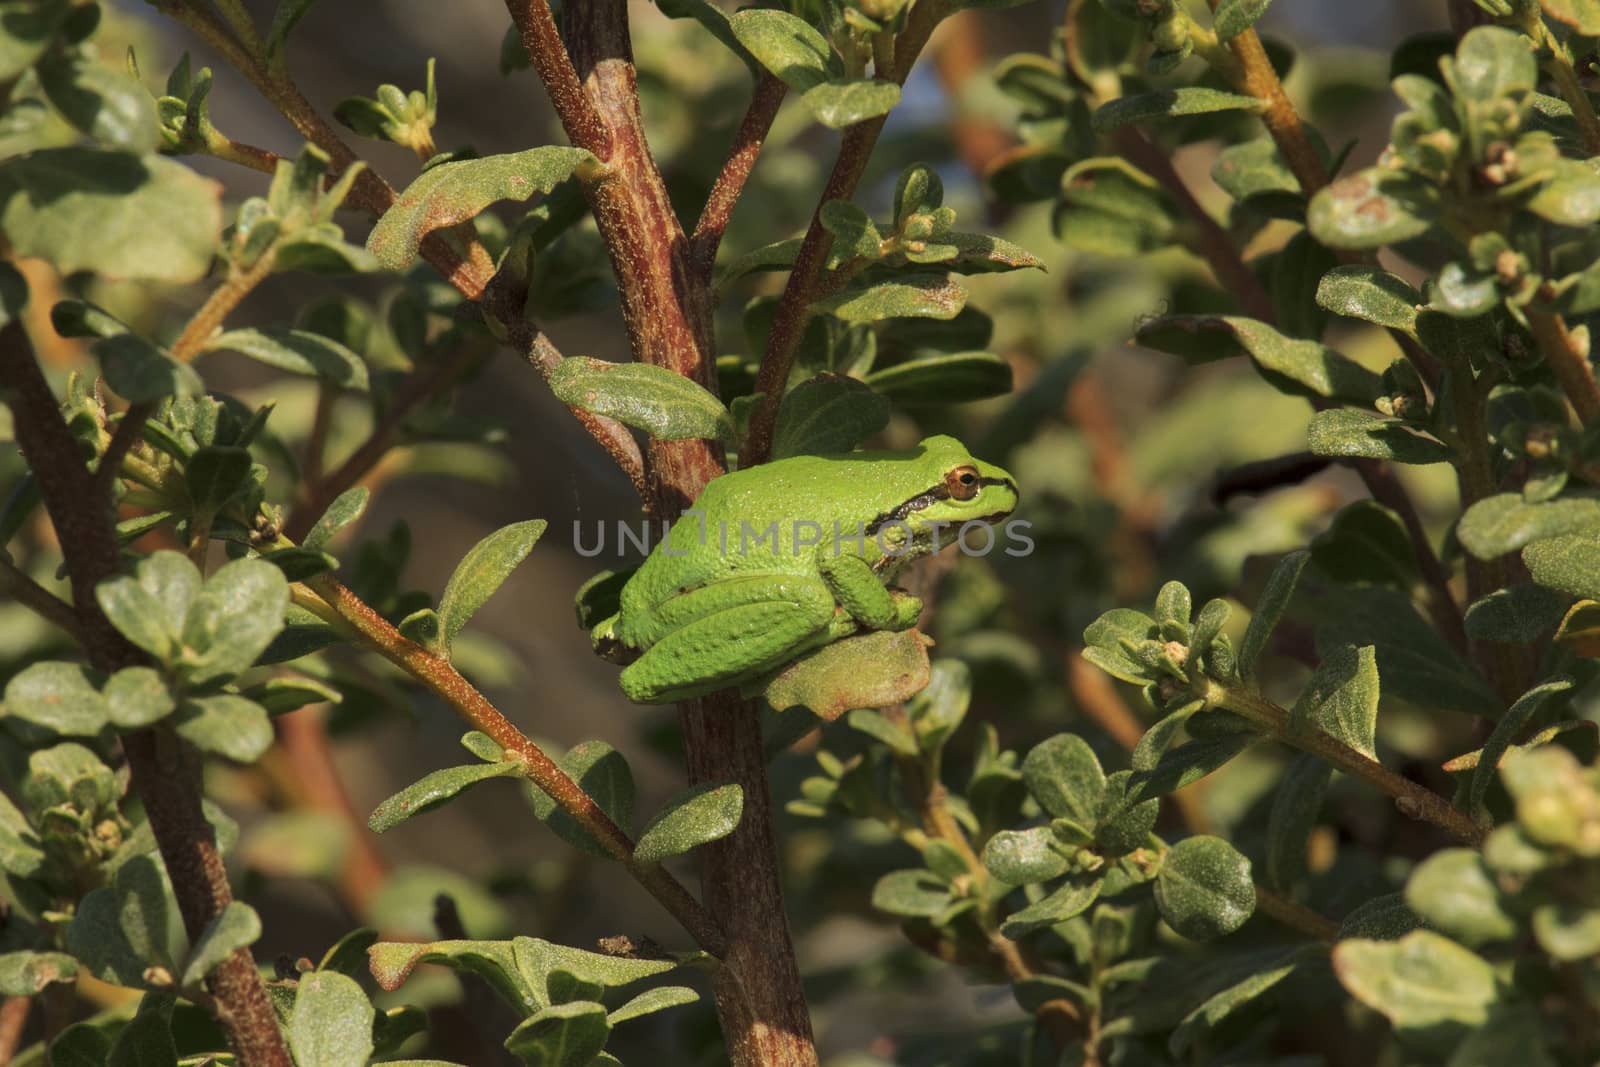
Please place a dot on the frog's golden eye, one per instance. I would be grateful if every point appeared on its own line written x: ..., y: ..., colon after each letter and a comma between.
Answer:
x: 963, y: 483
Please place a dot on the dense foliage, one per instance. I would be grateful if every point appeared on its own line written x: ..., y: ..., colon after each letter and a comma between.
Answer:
x: 1280, y: 746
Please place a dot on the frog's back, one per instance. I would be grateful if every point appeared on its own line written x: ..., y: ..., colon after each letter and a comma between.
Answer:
x: 757, y: 521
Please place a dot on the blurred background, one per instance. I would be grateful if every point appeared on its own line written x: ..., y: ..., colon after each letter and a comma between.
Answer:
x: 1119, y: 499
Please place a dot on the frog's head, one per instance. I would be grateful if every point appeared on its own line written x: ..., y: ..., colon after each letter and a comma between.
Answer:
x: 952, y: 488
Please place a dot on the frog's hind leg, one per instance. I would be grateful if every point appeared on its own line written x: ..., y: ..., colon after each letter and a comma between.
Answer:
x: 732, y: 638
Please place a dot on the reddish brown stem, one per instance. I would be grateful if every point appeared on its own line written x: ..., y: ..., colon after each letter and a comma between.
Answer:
x: 13, y: 1020
x: 735, y: 171
x: 442, y: 679
x: 536, y: 25
x: 164, y: 771
x: 1211, y: 241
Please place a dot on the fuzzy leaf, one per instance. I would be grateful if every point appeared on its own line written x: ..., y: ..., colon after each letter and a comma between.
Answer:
x: 829, y: 413
x: 346, y: 508
x: 1368, y: 293
x: 22, y: 974
x: 651, y: 1001
x: 1023, y: 857
x: 912, y: 893
x: 1506, y: 731
x: 1349, y: 432
x: 604, y: 774
x: 141, y: 372
x: 226, y: 724
x: 137, y: 697
x: 1370, y: 209
x: 437, y: 789
x: 1204, y: 888
x: 1341, y: 700
x: 1167, y: 103
x: 1064, y: 776
x: 932, y: 296
x: 1296, y: 804
x: 562, y: 1035
x: 298, y: 352
x: 1274, y: 601
x: 704, y: 813
x: 482, y: 571
x: 118, y: 215
x: 1423, y: 981
x: 1456, y: 895
x: 1300, y: 367
x: 1506, y: 522
x: 1566, y: 563
x: 236, y: 927
x: 945, y: 378
x: 452, y: 193
x: 653, y: 399
x: 235, y: 616
x: 1233, y: 17
x: 60, y: 697
x: 1072, y: 898
x: 332, y: 1021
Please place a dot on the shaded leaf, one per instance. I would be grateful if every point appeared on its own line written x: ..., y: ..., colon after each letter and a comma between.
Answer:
x: 1204, y: 888
x: 932, y: 296
x: 1270, y: 608
x: 1421, y: 982
x: 829, y: 413
x: 701, y: 814
x: 1341, y: 699
x: 1168, y: 103
x: 234, y: 928
x: 945, y: 378
x: 298, y: 352
x: 1506, y: 522
x: 653, y: 399
x: 1362, y: 291
x: 61, y: 697
x: 1455, y: 894
x: 1363, y: 434
x: 482, y: 571
x: 332, y: 1021
x: 1566, y: 563
x: 437, y: 789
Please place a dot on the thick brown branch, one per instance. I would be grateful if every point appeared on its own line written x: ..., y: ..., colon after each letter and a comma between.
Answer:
x: 735, y: 171
x: 536, y: 25
x: 165, y: 772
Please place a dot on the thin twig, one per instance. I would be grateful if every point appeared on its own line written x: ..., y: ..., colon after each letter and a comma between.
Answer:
x: 218, y: 306
x: 38, y: 599
x: 735, y: 171
x: 164, y: 770
x: 794, y: 305
x: 441, y: 678
x: 1569, y: 361
x: 1295, y: 915
x: 1415, y: 801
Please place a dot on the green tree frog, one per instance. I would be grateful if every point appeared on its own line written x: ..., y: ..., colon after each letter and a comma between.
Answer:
x: 778, y: 560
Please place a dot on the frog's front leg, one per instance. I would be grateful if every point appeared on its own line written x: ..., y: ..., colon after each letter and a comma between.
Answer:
x: 857, y: 589
x: 729, y: 632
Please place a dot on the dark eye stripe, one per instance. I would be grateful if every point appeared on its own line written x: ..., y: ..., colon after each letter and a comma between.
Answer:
x: 922, y: 500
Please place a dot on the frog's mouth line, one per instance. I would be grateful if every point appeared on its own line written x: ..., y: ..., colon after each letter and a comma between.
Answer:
x: 921, y: 545
x: 899, y: 512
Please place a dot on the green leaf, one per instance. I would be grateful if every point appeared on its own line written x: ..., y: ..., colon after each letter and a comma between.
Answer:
x: 979, y: 253
x: 1506, y: 522
x: 140, y: 372
x: 829, y: 413
x: 61, y: 697
x: 22, y: 974
x: 1255, y: 170
x: 562, y: 1035
x: 297, y: 352
x: 1299, y: 367
x: 101, y: 101
x: 392, y: 962
x: 658, y: 401
x: 214, y: 475
x: 137, y: 697
x: 871, y: 670
x: 1567, y: 564
x: 1296, y: 804
x: 1580, y: 15
x: 1567, y: 930
x: 1414, y: 661
x: 537, y: 962
x: 913, y: 893
x: 150, y: 609
x: 651, y: 1001
x: 789, y: 47
x: 1167, y: 103
x: 931, y: 296
x: 949, y: 377
x: 236, y: 615
x: 1204, y: 888
x: 1371, y: 294
x: 1423, y: 982
x: 236, y: 926
x: 1372, y: 208
x: 1456, y: 895
x: 1518, y: 614
x: 27, y: 29
x: 1493, y: 62
x: 147, y: 914
x: 1104, y: 643
x: 838, y: 103
x: 226, y: 724
x: 482, y: 571
x: 603, y: 773
x: 1072, y: 898
x: 1185, y: 765
x: 437, y: 789
x: 346, y: 508
x: 1506, y: 731
x: 1233, y: 17
x: 1023, y: 857
x: 1123, y: 822
x: 1384, y: 918
x: 288, y: 13
x: 1064, y: 776
x: 121, y: 216
x: 95, y: 939
x: 1364, y: 434
x: 691, y: 819
x: 1366, y: 542
x: 940, y: 707
x: 147, y: 1040
x: 332, y: 1021
x: 452, y: 193
x: 1274, y: 601
x: 1341, y: 700
x: 1108, y: 207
